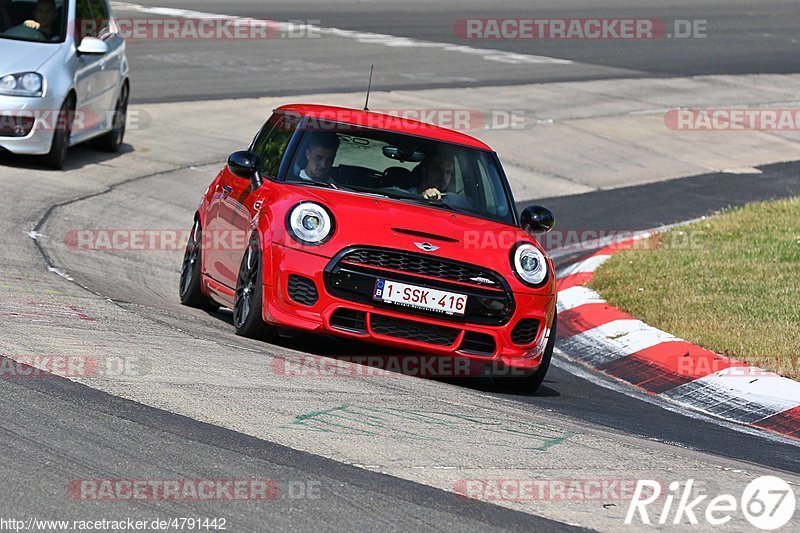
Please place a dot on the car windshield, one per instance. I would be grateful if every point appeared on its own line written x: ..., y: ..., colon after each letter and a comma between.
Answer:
x: 42, y: 21
x: 404, y: 167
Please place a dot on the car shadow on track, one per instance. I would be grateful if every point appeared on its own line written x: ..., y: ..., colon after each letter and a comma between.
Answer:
x: 78, y: 157
x: 391, y: 359
x: 490, y: 386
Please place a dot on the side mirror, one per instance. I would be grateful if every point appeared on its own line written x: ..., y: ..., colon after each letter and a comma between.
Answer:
x: 245, y: 165
x: 536, y: 219
x: 92, y: 46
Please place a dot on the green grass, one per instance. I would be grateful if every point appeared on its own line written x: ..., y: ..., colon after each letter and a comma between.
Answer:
x: 729, y: 283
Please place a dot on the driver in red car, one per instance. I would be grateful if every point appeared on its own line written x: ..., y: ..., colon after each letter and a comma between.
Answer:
x: 320, y: 153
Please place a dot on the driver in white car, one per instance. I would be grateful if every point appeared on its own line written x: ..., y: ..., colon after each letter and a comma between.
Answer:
x: 44, y: 19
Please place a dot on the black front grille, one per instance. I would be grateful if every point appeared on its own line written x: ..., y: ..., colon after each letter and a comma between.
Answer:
x: 525, y: 331
x: 415, y: 331
x: 426, y: 266
x: 477, y: 343
x: 354, y: 272
x: 302, y: 290
x: 349, y: 320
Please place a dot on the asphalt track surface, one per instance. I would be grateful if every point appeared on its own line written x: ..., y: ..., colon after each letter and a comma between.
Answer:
x: 82, y: 430
x: 740, y: 37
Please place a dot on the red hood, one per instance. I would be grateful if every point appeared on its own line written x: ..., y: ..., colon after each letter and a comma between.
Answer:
x: 375, y: 221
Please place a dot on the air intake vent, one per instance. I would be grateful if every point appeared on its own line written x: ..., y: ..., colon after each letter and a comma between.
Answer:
x: 414, y: 331
x: 15, y: 126
x: 302, y: 290
x: 525, y: 331
x: 424, y: 235
x: 477, y: 343
x: 349, y: 320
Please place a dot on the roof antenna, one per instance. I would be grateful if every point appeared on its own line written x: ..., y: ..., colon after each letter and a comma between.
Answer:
x: 366, y: 103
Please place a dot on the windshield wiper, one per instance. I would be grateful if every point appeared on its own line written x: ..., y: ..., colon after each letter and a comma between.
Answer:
x: 425, y: 201
x: 327, y: 185
x: 439, y: 203
x: 324, y: 184
x: 363, y: 190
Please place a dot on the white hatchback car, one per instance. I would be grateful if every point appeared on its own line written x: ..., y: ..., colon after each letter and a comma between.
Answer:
x: 63, y: 77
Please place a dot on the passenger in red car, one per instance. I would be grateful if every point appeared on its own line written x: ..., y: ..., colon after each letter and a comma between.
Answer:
x: 436, y: 173
x: 320, y: 153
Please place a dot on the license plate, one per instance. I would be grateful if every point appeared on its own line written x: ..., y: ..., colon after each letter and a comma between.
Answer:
x: 417, y: 297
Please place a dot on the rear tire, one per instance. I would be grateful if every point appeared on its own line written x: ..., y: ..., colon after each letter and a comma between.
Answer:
x: 530, y: 383
x: 190, y: 284
x: 59, y: 146
x: 248, y: 298
x: 111, y: 141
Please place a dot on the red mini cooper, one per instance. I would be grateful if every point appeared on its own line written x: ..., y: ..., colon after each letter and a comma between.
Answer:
x: 374, y: 227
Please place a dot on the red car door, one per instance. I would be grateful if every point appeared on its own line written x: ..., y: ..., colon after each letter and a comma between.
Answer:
x: 213, y: 260
x: 237, y: 201
x: 233, y: 229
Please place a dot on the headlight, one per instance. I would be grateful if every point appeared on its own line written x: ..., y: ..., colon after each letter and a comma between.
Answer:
x: 529, y: 264
x: 23, y: 84
x: 310, y: 223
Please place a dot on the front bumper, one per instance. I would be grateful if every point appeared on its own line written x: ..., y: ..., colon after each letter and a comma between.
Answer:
x: 326, y: 313
x: 38, y: 140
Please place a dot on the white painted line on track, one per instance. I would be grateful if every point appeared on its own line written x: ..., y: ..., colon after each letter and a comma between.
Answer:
x: 768, y: 388
x: 587, y: 265
x: 566, y: 363
x: 577, y: 296
x: 622, y: 337
x: 394, y: 41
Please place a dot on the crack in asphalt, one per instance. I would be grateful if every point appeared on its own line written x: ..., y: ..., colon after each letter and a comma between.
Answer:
x: 125, y: 306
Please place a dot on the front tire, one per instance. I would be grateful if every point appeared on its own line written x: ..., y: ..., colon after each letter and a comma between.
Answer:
x: 111, y: 141
x: 248, y: 298
x: 189, y: 289
x: 59, y: 146
x: 530, y: 383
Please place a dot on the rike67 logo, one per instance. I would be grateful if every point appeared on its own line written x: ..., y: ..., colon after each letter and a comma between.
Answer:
x: 767, y: 502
